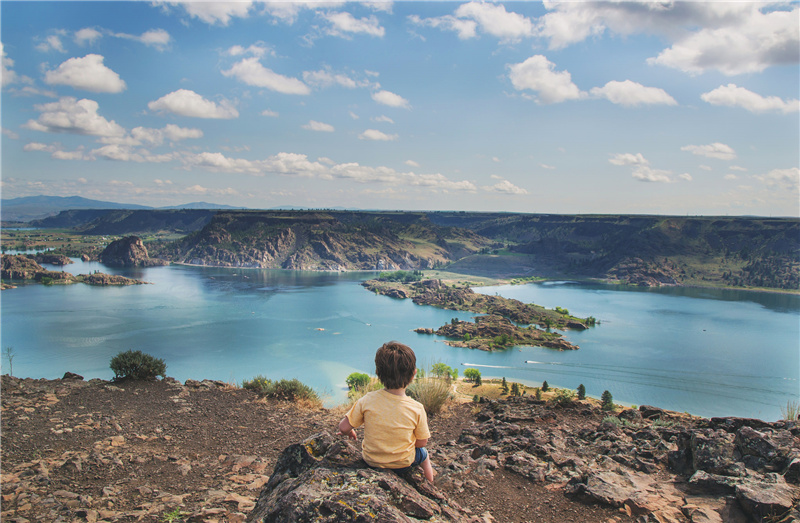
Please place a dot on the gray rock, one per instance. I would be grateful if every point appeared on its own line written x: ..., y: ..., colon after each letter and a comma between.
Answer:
x: 715, y: 452
x: 764, y: 500
x: 322, y: 479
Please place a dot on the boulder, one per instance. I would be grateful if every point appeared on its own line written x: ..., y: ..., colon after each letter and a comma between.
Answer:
x: 765, y: 500
x: 325, y: 479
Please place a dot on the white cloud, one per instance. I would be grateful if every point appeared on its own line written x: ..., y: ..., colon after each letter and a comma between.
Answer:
x: 632, y: 94
x: 788, y: 179
x: 87, y: 34
x: 374, y: 134
x: 87, y: 73
x: 157, y: 38
x: 217, y: 12
x: 685, y: 176
x: 124, y: 153
x: 737, y: 168
x: 184, y: 102
x: 52, y: 42
x: 251, y: 72
x: 10, y: 134
x: 257, y: 49
x: 343, y: 23
x: 169, y: 132
x: 466, y: 29
x: 269, y: 113
x: 411, y: 163
x: 7, y: 74
x: 537, y: 74
x: 318, y: 126
x: 749, y: 45
x: 505, y: 187
x: 489, y: 18
x: 390, y: 99
x: 69, y: 115
x: 325, y: 78
x: 382, y: 119
x: 628, y: 159
x: 646, y: 173
x: 717, y: 150
x: 380, y: 5
x: 548, y: 167
x: 733, y: 96
x: 730, y: 176
x: 287, y: 11
x: 363, y: 174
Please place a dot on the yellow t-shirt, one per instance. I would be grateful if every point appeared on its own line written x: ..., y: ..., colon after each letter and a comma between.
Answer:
x: 392, y: 425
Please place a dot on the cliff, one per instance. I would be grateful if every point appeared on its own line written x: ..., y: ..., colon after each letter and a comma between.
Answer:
x: 128, y: 252
x: 323, y: 241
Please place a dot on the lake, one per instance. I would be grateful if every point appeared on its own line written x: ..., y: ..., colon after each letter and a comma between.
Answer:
x: 707, y: 352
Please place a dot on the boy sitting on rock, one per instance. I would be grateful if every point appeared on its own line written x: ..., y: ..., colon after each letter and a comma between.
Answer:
x: 395, y: 425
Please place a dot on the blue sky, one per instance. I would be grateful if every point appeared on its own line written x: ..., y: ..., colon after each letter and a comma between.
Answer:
x: 574, y: 107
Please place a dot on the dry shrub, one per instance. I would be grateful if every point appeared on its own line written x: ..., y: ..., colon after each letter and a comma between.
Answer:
x: 433, y: 393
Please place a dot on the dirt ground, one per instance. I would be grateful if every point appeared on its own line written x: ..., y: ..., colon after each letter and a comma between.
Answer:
x: 161, y: 451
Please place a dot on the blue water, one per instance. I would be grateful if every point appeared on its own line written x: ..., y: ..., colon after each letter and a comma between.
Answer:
x: 707, y: 352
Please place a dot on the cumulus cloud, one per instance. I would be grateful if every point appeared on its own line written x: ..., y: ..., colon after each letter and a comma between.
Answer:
x: 505, y: 187
x: 87, y: 73
x: 69, y: 115
x: 343, y: 24
x: 391, y: 99
x: 251, y: 72
x: 374, y: 134
x: 87, y: 35
x: 733, y: 96
x: 411, y: 163
x: 124, y: 153
x: 170, y: 132
x: 319, y: 126
x: 258, y: 49
x: 217, y: 12
x: 537, y: 74
x: 717, y: 150
x: 632, y: 94
x: 492, y: 19
x: 184, y: 102
x: 287, y: 12
x: 10, y: 134
x: 382, y: 119
x: 269, y: 113
x: 628, y: 159
x: 8, y: 75
x: 52, y: 42
x: 750, y: 45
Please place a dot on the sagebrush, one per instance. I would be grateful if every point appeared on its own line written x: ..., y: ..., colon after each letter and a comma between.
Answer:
x: 433, y: 393
x: 290, y: 390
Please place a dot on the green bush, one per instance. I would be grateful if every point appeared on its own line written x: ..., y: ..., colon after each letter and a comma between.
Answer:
x: 581, y: 392
x: 442, y: 370
x: 357, y: 379
x: 290, y: 390
x: 136, y: 365
x: 564, y: 396
x: 607, y: 401
x: 545, y: 386
x: 357, y: 392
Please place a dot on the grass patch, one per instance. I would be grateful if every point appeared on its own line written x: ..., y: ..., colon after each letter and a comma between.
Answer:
x: 288, y: 390
x: 433, y: 393
x: 792, y: 410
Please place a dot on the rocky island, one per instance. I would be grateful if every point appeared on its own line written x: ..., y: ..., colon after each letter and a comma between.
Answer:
x: 21, y: 267
x: 498, y: 329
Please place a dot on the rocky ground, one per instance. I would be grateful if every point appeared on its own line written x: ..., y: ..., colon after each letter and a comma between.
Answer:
x: 91, y: 451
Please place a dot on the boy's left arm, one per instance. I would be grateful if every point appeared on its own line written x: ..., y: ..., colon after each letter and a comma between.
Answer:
x: 345, y: 429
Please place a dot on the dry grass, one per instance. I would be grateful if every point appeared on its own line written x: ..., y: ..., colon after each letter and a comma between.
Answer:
x: 433, y: 393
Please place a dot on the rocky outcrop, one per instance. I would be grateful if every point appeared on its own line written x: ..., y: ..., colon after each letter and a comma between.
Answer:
x: 102, y: 279
x: 635, y: 271
x: 52, y: 259
x: 671, y: 468
x: 128, y: 252
x: 494, y: 332
x: 325, y: 479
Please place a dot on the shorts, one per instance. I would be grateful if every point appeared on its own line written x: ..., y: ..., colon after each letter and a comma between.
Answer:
x: 420, y: 455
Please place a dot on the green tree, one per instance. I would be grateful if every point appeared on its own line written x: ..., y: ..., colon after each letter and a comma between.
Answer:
x: 581, y: 392
x: 504, y: 386
x: 471, y: 374
x: 136, y: 365
x: 545, y: 386
x: 607, y: 401
x: 357, y: 380
x: 515, y: 389
x: 478, y: 381
x: 441, y: 370
x: 538, y: 393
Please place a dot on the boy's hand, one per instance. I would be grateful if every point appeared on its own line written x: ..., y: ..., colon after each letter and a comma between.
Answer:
x: 352, y: 434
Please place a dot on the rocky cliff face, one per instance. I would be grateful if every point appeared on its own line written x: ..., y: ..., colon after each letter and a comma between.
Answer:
x: 128, y: 252
x: 323, y: 241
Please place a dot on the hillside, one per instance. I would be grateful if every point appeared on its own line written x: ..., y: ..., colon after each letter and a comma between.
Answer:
x: 125, y: 222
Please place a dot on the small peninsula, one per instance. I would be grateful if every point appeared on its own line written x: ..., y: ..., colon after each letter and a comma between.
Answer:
x: 21, y: 267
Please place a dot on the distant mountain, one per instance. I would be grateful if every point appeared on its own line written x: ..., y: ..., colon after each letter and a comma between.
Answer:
x: 33, y: 207
x: 39, y: 207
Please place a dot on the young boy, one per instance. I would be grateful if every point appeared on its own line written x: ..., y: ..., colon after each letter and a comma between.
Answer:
x: 395, y: 426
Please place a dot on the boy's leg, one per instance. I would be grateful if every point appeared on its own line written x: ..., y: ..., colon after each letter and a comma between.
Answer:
x: 424, y: 461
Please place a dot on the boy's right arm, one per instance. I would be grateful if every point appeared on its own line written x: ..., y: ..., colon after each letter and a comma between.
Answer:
x: 345, y: 429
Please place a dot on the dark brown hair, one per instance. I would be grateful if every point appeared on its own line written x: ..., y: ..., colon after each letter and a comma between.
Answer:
x: 395, y: 365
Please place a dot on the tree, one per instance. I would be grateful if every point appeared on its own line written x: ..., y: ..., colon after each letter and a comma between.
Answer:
x: 545, y: 386
x: 137, y: 365
x: 357, y: 380
x: 9, y: 353
x: 471, y: 374
x: 607, y: 401
x: 515, y: 389
x: 504, y: 386
x: 581, y: 392
x: 478, y: 381
x: 441, y: 370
